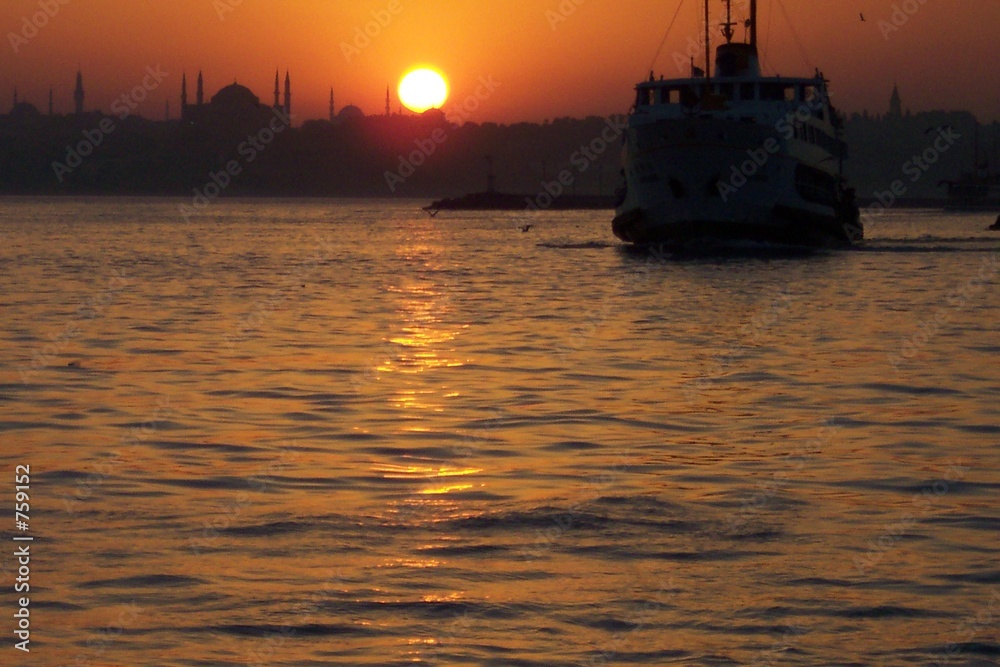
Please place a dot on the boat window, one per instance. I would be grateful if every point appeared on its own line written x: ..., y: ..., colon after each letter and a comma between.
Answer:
x: 690, y: 95
x: 809, y: 93
x: 772, y: 92
x: 670, y: 95
x: 789, y: 93
x: 645, y: 97
x: 748, y: 92
x: 726, y: 90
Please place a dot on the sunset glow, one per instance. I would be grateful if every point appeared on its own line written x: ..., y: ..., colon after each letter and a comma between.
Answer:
x: 551, y: 62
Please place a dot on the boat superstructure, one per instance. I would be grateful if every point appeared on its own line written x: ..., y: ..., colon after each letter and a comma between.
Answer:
x: 732, y: 154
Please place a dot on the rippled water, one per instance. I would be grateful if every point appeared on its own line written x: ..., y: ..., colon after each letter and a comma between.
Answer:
x: 297, y: 433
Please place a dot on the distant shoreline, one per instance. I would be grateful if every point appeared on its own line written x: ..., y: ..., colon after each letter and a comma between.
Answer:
x: 915, y: 202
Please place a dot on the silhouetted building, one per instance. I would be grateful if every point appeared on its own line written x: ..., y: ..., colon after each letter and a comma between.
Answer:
x: 895, y: 103
x: 234, y: 105
x: 23, y: 111
x: 78, y: 94
x: 288, y: 95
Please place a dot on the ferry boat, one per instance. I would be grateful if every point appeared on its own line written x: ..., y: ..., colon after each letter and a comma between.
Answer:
x: 734, y: 155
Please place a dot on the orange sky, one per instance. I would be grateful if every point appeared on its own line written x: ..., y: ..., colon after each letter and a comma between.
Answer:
x: 943, y: 57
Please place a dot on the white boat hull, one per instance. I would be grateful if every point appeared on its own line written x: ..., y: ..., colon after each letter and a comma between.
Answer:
x: 694, y: 178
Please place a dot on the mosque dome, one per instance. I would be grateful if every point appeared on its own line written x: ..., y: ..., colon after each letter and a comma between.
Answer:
x: 350, y: 112
x: 235, y: 96
x: 25, y: 111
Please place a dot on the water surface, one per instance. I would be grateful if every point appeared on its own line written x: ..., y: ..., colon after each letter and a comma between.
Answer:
x: 295, y: 433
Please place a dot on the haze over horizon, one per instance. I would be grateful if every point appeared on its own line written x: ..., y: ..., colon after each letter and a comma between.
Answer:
x: 546, y: 58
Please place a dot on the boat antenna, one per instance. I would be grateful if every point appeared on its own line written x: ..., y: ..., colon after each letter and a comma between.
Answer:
x: 727, y: 27
x: 753, y: 23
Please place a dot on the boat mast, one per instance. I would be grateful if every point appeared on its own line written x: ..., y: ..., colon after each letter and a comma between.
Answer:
x: 708, y: 46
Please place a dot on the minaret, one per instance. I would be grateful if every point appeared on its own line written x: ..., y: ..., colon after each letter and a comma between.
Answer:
x: 895, y: 103
x: 166, y: 112
x: 333, y: 115
x: 388, y: 111
x: 50, y: 101
x: 15, y: 97
x: 201, y: 90
x: 78, y: 93
x: 184, y: 96
x: 277, y: 92
x: 288, y: 95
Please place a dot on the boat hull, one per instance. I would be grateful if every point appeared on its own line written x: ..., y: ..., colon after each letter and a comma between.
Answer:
x: 694, y: 179
x: 783, y: 225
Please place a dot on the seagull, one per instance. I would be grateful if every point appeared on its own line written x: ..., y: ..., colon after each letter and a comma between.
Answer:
x: 862, y: 17
x: 526, y: 227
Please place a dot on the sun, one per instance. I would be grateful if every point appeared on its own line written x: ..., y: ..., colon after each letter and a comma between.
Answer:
x: 423, y: 89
